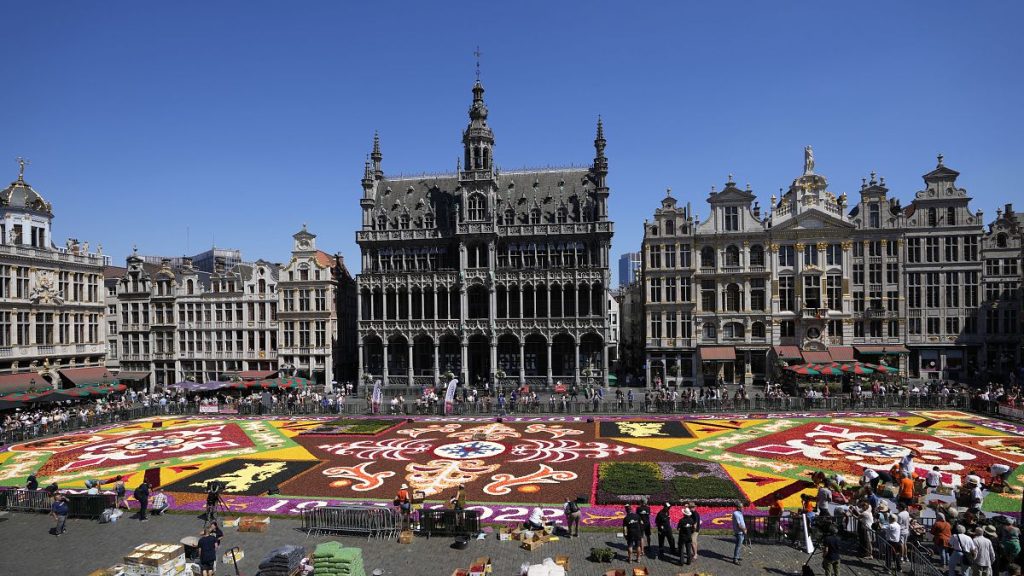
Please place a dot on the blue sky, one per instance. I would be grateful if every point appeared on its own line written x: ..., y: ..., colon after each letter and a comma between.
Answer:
x: 179, y: 124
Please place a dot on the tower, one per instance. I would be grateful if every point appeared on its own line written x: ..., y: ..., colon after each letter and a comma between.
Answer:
x: 600, y: 171
x: 478, y: 140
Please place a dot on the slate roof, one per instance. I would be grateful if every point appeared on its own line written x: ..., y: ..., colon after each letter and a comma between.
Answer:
x: 20, y: 195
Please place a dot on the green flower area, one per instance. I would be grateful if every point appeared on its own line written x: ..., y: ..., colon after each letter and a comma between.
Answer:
x: 356, y: 426
x: 707, y: 484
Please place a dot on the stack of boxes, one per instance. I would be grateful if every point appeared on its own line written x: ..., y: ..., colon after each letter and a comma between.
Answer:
x: 155, y: 560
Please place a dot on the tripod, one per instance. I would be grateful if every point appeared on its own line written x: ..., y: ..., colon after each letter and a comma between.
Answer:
x: 214, y: 502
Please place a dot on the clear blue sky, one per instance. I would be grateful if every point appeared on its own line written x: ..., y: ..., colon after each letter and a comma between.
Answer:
x: 243, y: 120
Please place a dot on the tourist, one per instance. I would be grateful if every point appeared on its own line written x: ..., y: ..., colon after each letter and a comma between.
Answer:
x: 903, y: 517
x: 159, y: 504
x: 961, y: 548
x: 934, y: 479
x: 572, y: 517
x: 32, y: 483
x: 891, y: 531
x: 634, y: 533
x: 739, y: 530
x: 984, y: 553
x: 774, y: 515
x: 696, y: 526
x: 686, y: 530
x: 663, y: 522
x: 864, y: 521
x: 830, y: 554
x: 1009, y: 546
x: 906, y: 491
x: 644, y: 512
x: 120, y: 494
x: 141, y: 494
x: 207, y: 552
x: 59, y: 512
x: 403, y: 503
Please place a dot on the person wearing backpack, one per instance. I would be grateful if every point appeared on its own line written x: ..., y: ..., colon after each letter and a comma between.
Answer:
x: 572, y: 517
x: 963, y: 551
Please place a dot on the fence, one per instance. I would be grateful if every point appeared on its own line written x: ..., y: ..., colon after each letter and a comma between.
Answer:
x: 16, y: 500
x: 769, y: 529
x: 374, y: 521
x: 449, y: 522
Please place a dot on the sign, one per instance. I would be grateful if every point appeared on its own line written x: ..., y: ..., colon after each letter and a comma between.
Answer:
x: 208, y: 408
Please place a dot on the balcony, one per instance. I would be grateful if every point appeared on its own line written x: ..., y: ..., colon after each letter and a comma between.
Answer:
x: 389, y: 235
x: 555, y: 229
x: 476, y: 228
x: 877, y: 313
x: 813, y: 313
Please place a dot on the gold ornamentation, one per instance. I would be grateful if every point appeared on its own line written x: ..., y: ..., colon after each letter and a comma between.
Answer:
x: 800, y: 247
x: 847, y: 245
x: 822, y: 246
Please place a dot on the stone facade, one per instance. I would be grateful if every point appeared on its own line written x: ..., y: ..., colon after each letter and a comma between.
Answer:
x: 51, y: 298
x: 483, y: 273
x: 734, y: 296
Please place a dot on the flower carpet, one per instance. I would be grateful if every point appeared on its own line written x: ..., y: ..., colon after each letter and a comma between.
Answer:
x: 286, y: 465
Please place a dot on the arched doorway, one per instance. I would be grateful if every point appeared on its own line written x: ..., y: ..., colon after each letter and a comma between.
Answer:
x: 398, y: 356
x: 449, y: 354
x: 479, y: 352
x: 591, y: 354
x: 563, y: 352
x: 422, y: 356
x: 535, y: 355
x: 373, y: 355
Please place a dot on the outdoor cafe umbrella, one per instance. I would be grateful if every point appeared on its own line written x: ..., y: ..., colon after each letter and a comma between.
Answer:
x: 22, y: 396
x: 77, y: 392
x: 827, y: 369
x: 856, y: 368
x: 7, y: 405
x: 883, y: 368
x: 803, y: 370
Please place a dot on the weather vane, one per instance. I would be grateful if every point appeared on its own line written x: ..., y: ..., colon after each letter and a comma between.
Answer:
x: 477, y: 53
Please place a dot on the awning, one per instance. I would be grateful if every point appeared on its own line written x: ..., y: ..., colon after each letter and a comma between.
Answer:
x: 841, y: 353
x: 87, y: 376
x: 896, y: 350
x: 131, y: 376
x: 717, y: 353
x: 256, y: 374
x: 813, y: 357
x: 10, y: 383
x: 870, y: 349
x: 788, y: 352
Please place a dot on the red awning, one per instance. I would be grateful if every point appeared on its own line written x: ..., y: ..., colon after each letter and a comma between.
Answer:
x: 896, y: 350
x: 717, y: 353
x: 817, y: 357
x: 870, y: 349
x: 256, y: 374
x: 841, y: 353
x: 788, y: 352
x: 11, y: 383
x: 87, y: 376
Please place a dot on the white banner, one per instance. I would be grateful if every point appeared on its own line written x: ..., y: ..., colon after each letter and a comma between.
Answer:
x: 376, y: 397
x: 449, y: 395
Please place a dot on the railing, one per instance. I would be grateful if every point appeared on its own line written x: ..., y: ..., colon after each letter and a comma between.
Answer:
x: 381, y: 522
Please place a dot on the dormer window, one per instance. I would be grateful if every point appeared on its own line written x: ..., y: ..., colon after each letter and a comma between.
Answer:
x: 404, y: 224
x: 933, y: 217
x: 476, y: 207
x: 535, y: 216
x: 670, y: 227
x: 510, y: 217
x: 951, y: 216
x: 428, y: 221
x: 562, y: 215
x: 874, y: 215
x: 382, y: 222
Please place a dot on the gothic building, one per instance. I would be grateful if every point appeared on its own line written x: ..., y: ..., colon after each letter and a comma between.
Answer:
x: 736, y: 295
x: 483, y: 273
x: 51, y: 299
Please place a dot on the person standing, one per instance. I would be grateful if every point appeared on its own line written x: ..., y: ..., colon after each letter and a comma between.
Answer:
x: 941, y: 534
x: 32, y: 482
x: 894, y: 559
x: 984, y: 554
x: 572, y: 516
x: 663, y: 522
x: 59, y: 512
x: 830, y: 553
x: 696, y: 527
x: 962, y: 547
x: 142, y: 495
x: 207, y: 553
x: 685, y: 527
x: 739, y: 530
x: 864, y: 521
x: 644, y: 512
x: 120, y: 494
x: 633, y: 532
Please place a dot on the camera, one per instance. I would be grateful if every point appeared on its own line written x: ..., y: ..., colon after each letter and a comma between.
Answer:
x: 215, y: 486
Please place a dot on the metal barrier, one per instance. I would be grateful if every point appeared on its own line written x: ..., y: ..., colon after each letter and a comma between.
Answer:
x: 449, y: 522
x: 18, y: 500
x: 374, y: 521
x: 769, y: 529
x: 89, y: 506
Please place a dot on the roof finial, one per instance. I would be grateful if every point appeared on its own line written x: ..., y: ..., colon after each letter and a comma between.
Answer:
x: 21, y: 168
x: 940, y: 158
x: 668, y: 192
x: 135, y: 249
x: 478, y: 54
x: 729, y: 181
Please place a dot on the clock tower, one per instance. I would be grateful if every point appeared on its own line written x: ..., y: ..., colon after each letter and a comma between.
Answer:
x: 305, y: 241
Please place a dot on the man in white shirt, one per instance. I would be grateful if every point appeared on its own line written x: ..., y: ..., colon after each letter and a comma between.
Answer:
x: 903, y: 518
x: 892, y: 536
x: 984, y: 554
x: 934, y: 478
x: 962, y: 546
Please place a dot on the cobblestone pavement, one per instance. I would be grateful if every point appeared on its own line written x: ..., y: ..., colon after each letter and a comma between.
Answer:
x: 88, y: 546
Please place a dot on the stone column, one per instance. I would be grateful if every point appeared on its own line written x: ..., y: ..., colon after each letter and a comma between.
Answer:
x: 604, y: 363
x: 549, y: 363
x: 410, y: 358
x: 522, y: 362
x: 576, y: 361
x: 360, y: 374
x: 494, y: 358
x: 464, y: 365
x: 437, y: 369
x: 384, y: 358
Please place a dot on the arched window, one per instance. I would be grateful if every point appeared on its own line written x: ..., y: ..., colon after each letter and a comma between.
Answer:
x: 670, y: 227
x: 732, y: 256
x: 757, y: 330
x: 190, y: 287
x: 707, y: 257
x: 733, y: 298
x: 477, y: 207
x: 874, y: 215
x: 1001, y: 240
x: 510, y: 217
x: 710, y: 331
x: 382, y: 222
x: 757, y: 255
x: 535, y: 216
x: 733, y: 330
x: 951, y: 216
x: 487, y: 157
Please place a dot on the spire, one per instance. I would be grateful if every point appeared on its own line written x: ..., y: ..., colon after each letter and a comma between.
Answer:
x: 367, y: 175
x: 599, y: 171
x: 376, y: 157
x: 478, y: 140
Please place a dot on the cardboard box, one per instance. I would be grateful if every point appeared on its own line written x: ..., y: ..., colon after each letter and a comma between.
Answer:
x: 460, y: 572
x: 641, y: 571
x: 618, y: 572
x: 563, y: 561
x: 230, y: 522
x: 531, y: 545
x: 504, y: 533
x: 254, y: 524
x: 485, y: 562
x: 405, y: 537
x: 237, y: 555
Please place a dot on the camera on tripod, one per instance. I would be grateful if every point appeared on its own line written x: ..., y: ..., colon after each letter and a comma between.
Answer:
x: 213, y: 491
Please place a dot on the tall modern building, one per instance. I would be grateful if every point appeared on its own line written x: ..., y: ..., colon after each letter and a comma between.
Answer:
x: 483, y: 273
x: 52, y: 332
x: 629, y: 265
x: 738, y: 295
